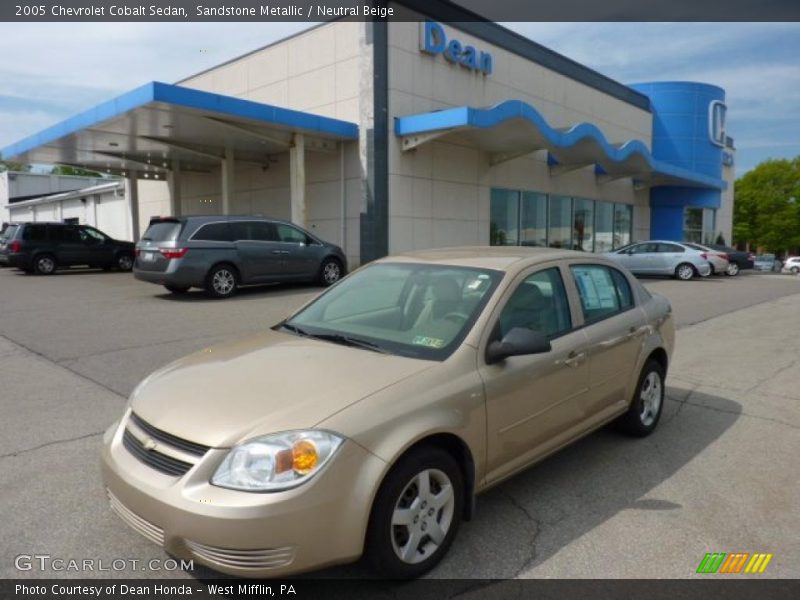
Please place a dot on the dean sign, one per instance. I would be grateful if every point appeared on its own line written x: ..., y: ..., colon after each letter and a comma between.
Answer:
x: 434, y: 41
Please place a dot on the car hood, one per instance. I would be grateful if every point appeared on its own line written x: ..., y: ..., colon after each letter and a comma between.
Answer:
x: 270, y: 382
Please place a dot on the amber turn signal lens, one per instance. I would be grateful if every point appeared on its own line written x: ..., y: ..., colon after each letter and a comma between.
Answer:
x: 304, y: 455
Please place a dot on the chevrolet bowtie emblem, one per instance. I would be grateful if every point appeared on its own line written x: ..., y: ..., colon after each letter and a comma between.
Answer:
x: 148, y: 444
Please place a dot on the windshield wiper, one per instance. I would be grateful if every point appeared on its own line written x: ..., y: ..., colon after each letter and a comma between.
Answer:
x: 295, y: 329
x: 336, y: 338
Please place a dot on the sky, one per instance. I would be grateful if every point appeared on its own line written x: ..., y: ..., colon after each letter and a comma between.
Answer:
x: 51, y: 71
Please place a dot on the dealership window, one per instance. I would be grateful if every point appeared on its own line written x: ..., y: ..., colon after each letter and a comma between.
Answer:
x: 699, y: 225
x: 535, y: 219
x: 504, y: 224
x: 583, y: 225
x: 560, y: 222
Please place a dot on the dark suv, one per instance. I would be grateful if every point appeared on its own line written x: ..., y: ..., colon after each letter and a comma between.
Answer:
x: 219, y: 253
x: 44, y: 247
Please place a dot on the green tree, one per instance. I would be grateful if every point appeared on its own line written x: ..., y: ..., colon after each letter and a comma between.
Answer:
x: 7, y: 165
x: 68, y: 170
x: 767, y: 205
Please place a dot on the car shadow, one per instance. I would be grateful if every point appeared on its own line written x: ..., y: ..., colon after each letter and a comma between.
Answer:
x: 244, y: 293
x: 526, y: 520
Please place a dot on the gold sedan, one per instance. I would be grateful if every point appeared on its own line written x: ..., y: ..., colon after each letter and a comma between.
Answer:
x: 367, y: 422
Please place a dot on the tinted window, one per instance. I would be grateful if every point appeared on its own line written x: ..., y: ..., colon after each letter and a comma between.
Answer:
x: 260, y: 231
x: 603, y: 291
x: 163, y: 231
x: 34, y: 233
x: 214, y: 232
x: 642, y: 248
x: 540, y: 304
x: 67, y: 234
x: 93, y: 235
x: 8, y: 234
x: 287, y: 233
x: 670, y: 248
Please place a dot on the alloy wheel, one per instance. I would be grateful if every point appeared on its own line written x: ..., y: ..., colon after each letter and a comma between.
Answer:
x: 331, y: 272
x: 650, y: 394
x: 46, y: 265
x: 733, y: 269
x: 223, y: 282
x: 422, y: 516
x: 125, y: 262
x: 685, y: 272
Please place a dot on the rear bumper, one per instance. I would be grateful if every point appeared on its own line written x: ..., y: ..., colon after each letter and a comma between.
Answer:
x: 175, y: 276
x: 19, y: 260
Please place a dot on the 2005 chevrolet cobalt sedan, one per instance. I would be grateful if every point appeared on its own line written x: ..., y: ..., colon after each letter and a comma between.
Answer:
x: 367, y: 422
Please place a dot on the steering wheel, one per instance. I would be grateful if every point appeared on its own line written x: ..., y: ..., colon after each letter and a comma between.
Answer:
x: 453, y: 316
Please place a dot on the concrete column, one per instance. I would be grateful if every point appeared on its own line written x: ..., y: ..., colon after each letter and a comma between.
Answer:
x: 297, y: 179
x: 133, y: 204
x: 174, y: 184
x: 228, y: 181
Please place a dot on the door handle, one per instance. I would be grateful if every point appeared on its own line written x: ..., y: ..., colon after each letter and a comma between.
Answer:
x: 280, y: 252
x: 574, y: 359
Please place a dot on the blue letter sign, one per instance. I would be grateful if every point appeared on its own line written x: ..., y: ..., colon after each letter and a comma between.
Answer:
x: 434, y: 41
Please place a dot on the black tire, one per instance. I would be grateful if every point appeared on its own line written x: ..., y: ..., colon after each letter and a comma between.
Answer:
x: 177, y: 289
x: 639, y: 422
x: 123, y: 261
x: 794, y: 270
x: 398, y: 488
x: 685, y: 271
x: 44, y: 264
x: 222, y: 281
x: 733, y: 270
x: 330, y: 271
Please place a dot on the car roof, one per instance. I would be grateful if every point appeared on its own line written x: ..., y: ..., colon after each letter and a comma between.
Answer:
x: 500, y: 258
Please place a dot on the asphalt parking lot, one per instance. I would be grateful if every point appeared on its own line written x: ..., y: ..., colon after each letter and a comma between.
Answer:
x: 720, y: 473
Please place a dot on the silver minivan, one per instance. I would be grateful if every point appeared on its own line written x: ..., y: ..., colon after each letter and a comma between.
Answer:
x: 661, y: 257
x: 220, y: 253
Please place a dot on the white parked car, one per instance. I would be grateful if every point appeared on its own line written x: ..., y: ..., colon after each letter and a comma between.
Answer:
x: 663, y: 257
x: 792, y: 265
x: 720, y: 263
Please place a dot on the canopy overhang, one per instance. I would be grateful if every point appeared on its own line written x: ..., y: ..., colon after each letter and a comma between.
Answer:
x: 158, y: 127
x: 515, y: 128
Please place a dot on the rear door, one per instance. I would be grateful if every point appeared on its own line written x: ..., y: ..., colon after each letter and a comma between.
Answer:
x: 671, y: 256
x: 260, y: 254
x: 68, y: 245
x: 300, y: 252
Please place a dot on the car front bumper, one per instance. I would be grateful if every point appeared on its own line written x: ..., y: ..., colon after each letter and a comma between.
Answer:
x: 321, y: 522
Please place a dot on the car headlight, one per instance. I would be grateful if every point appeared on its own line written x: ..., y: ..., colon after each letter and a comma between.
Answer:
x: 277, y: 461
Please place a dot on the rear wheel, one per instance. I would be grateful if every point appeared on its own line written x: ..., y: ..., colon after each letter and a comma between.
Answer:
x: 44, y: 264
x: 647, y: 404
x: 222, y: 281
x: 416, y: 514
x: 684, y: 271
x: 795, y: 270
x: 733, y: 269
x: 124, y: 261
x: 330, y: 272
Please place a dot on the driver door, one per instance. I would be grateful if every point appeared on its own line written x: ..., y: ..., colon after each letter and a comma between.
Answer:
x: 533, y: 402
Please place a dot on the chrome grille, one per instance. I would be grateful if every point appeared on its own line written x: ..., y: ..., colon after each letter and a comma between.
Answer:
x: 160, y: 450
x: 137, y: 523
x: 268, y: 558
x: 168, y: 438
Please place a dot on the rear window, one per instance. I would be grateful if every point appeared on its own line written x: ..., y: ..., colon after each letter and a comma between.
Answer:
x: 9, y: 232
x: 163, y: 231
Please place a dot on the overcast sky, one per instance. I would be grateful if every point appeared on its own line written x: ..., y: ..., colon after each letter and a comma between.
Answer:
x: 50, y: 71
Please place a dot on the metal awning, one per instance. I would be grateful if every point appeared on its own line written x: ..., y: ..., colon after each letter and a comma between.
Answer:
x: 515, y: 128
x: 158, y: 126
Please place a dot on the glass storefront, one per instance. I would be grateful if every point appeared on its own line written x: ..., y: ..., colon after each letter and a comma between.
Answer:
x: 535, y: 219
x: 699, y: 225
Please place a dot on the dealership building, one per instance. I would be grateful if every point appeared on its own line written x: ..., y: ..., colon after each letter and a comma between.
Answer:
x: 386, y: 137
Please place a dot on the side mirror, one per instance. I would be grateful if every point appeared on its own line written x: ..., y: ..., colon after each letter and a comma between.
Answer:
x: 517, y: 342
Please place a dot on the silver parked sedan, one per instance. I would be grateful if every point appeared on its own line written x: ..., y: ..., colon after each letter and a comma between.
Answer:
x: 660, y: 257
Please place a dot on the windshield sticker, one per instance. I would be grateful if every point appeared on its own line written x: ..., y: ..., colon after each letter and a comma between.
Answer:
x: 430, y: 342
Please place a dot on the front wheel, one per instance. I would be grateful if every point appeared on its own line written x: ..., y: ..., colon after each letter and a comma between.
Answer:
x: 416, y: 514
x: 647, y: 404
x: 684, y: 271
x: 330, y: 272
x: 222, y: 281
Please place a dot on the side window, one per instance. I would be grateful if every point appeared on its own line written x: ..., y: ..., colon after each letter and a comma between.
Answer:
x: 263, y: 231
x: 670, y: 248
x: 643, y: 248
x: 214, y: 232
x: 539, y: 303
x: 34, y: 233
x: 93, y: 236
x: 287, y: 233
x: 603, y: 291
x: 69, y: 234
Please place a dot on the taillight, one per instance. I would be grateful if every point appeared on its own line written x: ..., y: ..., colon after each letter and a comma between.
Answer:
x: 174, y: 252
x: 137, y: 251
x: 704, y: 256
x: 725, y: 256
x: 751, y: 257
x: 15, y: 246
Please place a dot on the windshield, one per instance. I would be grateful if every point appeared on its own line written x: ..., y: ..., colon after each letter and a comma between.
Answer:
x: 417, y: 310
